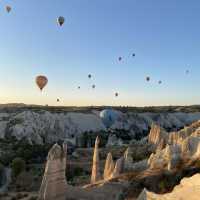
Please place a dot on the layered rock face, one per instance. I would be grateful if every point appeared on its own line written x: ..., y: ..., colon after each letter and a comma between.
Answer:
x: 174, y: 148
x: 46, y: 127
x: 157, y: 135
x: 188, y: 189
x: 54, y: 183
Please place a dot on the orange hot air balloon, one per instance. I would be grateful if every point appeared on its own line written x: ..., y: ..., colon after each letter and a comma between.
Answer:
x: 41, y: 81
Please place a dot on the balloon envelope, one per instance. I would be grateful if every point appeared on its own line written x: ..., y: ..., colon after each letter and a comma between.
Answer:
x: 61, y: 20
x: 41, y: 81
x: 89, y: 76
x: 108, y: 117
x: 120, y: 58
x: 8, y: 8
x: 148, y: 78
x: 116, y: 94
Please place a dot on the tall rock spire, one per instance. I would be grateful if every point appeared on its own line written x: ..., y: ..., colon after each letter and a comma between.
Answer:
x: 109, y: 167
x: 54, y: 181
x: 95, y: 167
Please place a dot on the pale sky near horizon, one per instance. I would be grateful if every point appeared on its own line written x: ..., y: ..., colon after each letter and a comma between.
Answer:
x: 164, y: 35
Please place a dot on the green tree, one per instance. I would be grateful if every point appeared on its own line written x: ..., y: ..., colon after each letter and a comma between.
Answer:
x: 18, y: 165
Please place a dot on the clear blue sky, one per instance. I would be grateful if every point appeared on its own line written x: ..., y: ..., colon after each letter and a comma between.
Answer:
x: 164, y: 35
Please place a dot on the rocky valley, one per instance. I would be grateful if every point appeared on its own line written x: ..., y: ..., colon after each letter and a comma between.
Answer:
x: 54, y: 153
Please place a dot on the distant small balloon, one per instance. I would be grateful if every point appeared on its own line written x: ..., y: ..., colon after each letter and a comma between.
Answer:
x: 93, y: 86
x: 187, y: 71
x: 61, y: 20
x: 147, y: 78
x: 79, y: 87
x: 89, y: 76
x: 58, y: 100
x: 116, y: 94
x: 41, y: 81
x: 120, y: 58
x: 8, y: 9
x: 159, y: 82
x: 133, y: 55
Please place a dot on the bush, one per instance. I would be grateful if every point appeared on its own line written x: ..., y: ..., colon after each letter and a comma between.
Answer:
x: 18, y: 165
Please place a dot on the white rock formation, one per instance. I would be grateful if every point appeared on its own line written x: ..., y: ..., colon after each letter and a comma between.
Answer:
x: 119, y: 167
x: 43, y: 126
x: 54, y: 181
x: 114, y: 141
x: 188, y: 189
x: 182, y: 146
x: 128, y: 159
x: 95, y: 166
x: 109, y: 167
x: 157, y: 135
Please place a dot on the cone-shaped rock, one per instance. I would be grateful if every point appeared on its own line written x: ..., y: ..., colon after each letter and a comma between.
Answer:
x: 95, y: 167
x: 119, y: 167
x: 109, y: 167
x: 54, y: 182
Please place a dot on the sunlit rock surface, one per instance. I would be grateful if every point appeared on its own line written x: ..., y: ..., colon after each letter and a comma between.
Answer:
x: 188, y: 189
x: 95, y: 166
x: 180, y: 147
x: 109, y: 167
x: 54, y: 182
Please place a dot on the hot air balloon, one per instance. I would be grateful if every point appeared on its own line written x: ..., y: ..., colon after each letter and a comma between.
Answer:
x: 147, y: 78
x: 116, y: 94
x: 108, y: 117
x: 120, y: 58
x: 133, y: 55
x: 58, y: 100
x: 93, y: 86
x: 187, y: 71
x: 61, y: 20
x: 79, y: 87
x: 159, y: 82
x: 89, y: 76
x: 8, y: 9
x: 41, y: 81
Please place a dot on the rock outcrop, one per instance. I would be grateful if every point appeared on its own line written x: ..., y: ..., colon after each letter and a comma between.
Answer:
x: 188, y: 189
x: 54, y: 181
x: 128, y: 159
x: 109, y: 167
x: 180, y: 147
x: 95, y: 166
x: 119, y: 167
x: 40, y: 126
x: 114, y: 141
x: 157, y: 135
